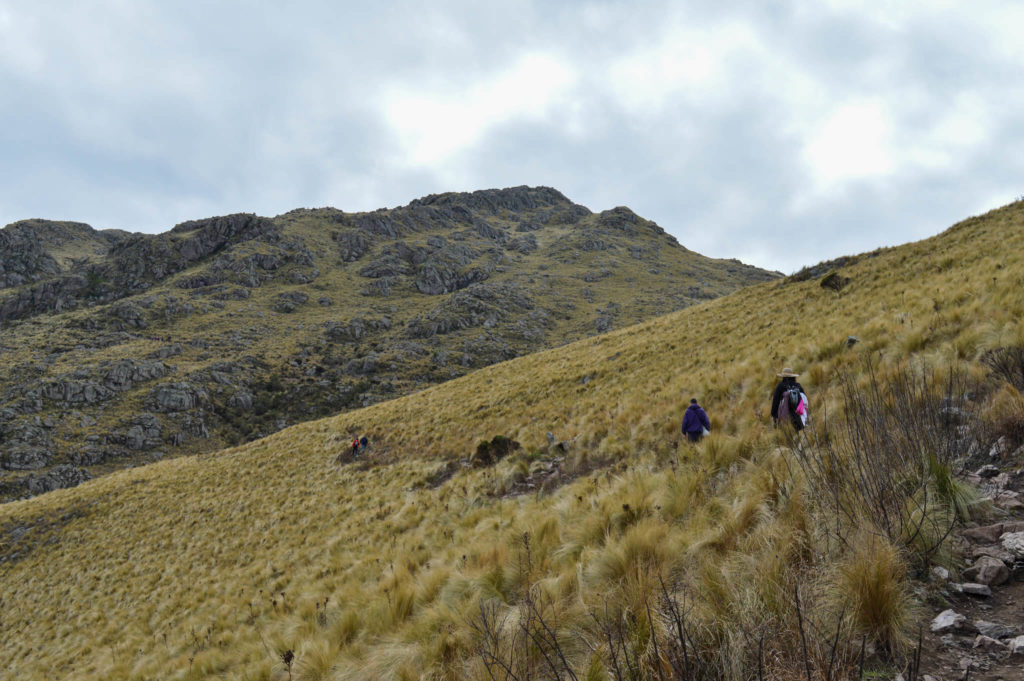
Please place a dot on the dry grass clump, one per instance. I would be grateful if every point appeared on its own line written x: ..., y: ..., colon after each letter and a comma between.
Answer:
x: 720, y: 560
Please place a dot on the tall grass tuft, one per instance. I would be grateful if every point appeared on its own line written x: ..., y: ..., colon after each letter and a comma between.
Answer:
x: 871, y: 585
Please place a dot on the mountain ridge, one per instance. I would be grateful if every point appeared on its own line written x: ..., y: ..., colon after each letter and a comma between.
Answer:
x: 127, y: 347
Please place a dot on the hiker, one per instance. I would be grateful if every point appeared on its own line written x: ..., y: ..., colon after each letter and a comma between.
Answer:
x: 695, y: 422
x: 355, y: 447
x: 363, y: 443
x: 789, y: 402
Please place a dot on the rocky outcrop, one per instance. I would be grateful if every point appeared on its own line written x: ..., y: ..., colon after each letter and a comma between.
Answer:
x: 479, y: 305
x: 352, y: 245
x: 143, y: 432
x: 89, y: 385
x: 59, y: 477
x: 494, y: 201
x: 24, y: 446
x: 355, y: 329
x: 22, y: 258
x: 177, y: 397
x: 290, y: 301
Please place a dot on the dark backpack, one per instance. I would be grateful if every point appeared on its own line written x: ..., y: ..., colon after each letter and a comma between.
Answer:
x: 792, y: 397
x: 788, y: 406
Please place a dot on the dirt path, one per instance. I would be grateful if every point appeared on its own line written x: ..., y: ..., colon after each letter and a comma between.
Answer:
x: 963, y: 650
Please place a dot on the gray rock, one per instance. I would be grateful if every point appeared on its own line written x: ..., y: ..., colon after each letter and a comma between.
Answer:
x: 939, y: 573
x: 1016, y: 646
x: 972, y: 589
x: 987, y: 471
x: 988, y: 534
x: 1014, y: 543
x: 325, y: 301
x: 993, y: 630
x: 946, y: 621
x: 987, y: 570
x: 987, y: 643
x: 995, y: 551
x: 999, y: 449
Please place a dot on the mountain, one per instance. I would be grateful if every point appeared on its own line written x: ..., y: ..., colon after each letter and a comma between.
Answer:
x: 122, y: 349
x: 542, y: 512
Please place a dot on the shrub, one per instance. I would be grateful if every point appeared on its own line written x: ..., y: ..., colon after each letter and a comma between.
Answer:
x: 1007, y: 363
x: 490, y: 453
x: 890, y: 460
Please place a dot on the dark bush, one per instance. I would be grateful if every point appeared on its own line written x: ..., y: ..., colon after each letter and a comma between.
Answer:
x: 490, y: 453
x: 1007, y: 363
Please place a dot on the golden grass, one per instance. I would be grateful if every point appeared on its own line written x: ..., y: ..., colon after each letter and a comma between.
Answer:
x: 214, y: 566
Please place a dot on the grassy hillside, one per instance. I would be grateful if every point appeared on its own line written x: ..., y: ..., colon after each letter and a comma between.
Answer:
x: 223, y: 330
x: 272, y: 560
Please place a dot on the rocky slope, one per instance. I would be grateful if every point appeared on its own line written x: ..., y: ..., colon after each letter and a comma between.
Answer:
x: 123, y: 348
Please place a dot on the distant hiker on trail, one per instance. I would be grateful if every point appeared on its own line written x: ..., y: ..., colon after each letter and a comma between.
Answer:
x: 695, y: 422
x: 363, y: 443
x: 789, y: 402
x: 355, y: 447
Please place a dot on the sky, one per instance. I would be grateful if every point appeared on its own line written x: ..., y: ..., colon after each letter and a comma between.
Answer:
x: 780, y: 133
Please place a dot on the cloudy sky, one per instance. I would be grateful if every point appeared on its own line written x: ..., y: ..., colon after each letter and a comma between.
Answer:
x: 781, y: 133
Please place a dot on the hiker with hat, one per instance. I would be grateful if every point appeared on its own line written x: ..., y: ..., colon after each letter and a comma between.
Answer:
x: 695, y: 422
x: 789, y: 402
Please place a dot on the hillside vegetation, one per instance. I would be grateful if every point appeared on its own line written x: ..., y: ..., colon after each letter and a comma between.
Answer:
x: 608, y: 550
x: 120, y: 349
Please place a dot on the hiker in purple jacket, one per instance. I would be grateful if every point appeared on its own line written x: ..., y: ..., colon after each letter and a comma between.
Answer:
x: 695, y: 422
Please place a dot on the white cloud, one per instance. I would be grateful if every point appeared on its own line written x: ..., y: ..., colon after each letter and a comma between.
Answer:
x: 852, y: 143
x: 695, y: 64
x: 432, y: 126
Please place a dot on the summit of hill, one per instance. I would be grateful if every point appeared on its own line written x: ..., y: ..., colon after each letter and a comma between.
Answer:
x: 121, y: 348
x: 543, y: 517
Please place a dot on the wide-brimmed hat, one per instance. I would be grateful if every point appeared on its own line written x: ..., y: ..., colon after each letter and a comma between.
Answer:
x: 788, y: 373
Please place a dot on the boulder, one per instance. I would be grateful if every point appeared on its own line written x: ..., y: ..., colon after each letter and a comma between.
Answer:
x: 995, y: 551
x: 1016, y: 646
x: 987, y: 570
x: 988, y: 534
